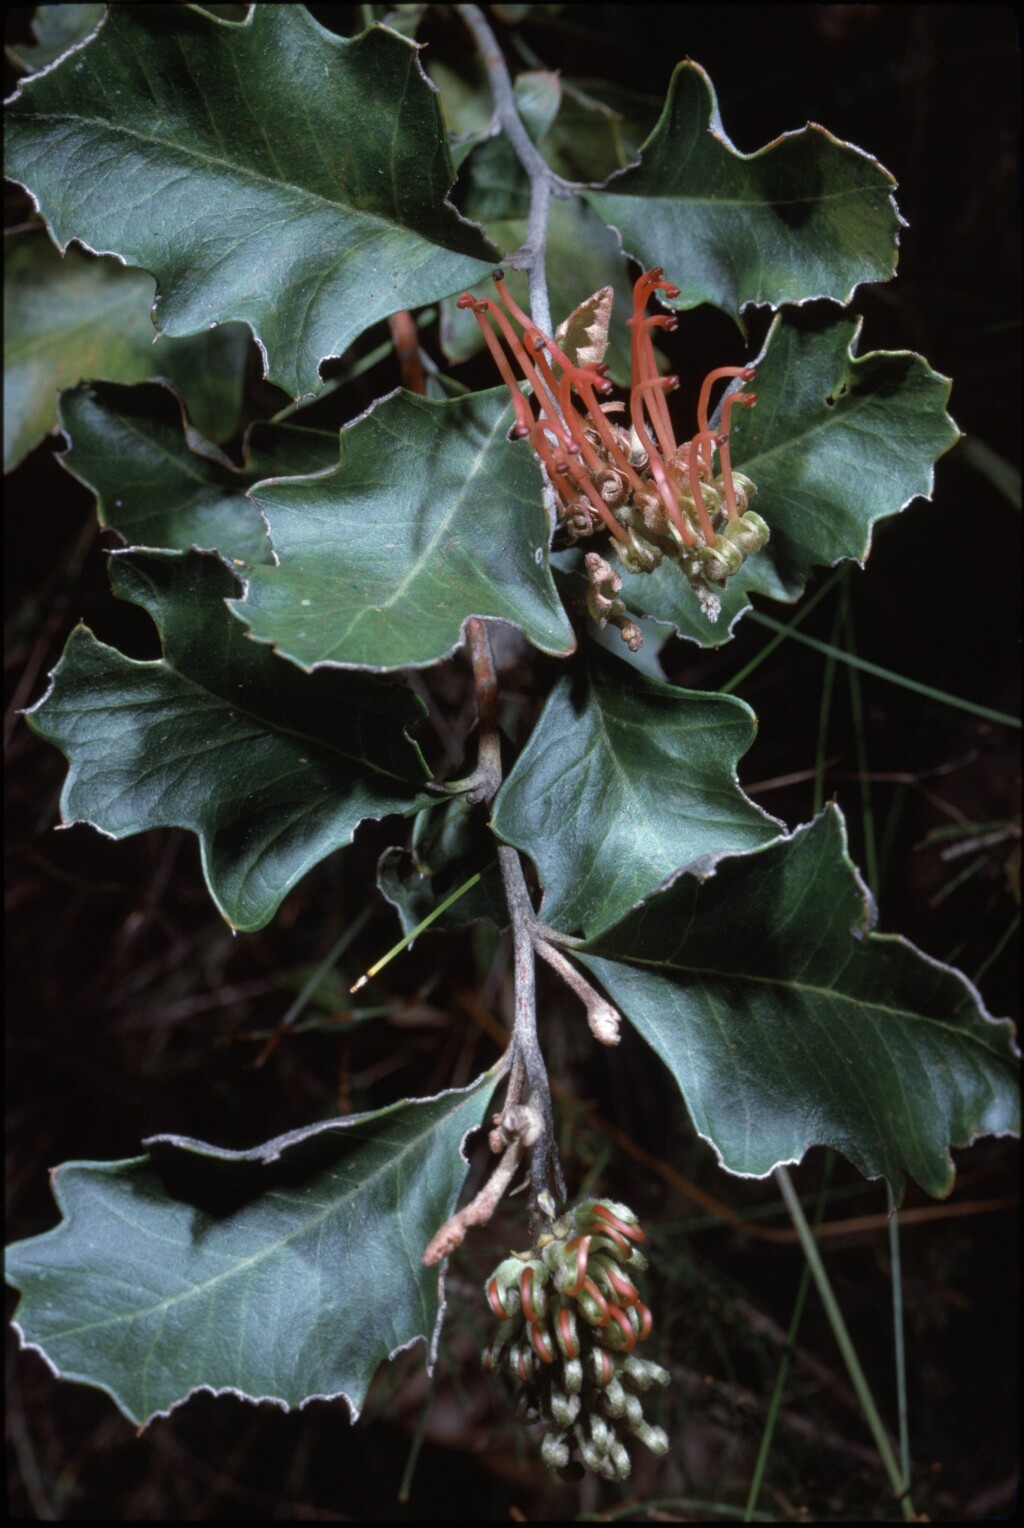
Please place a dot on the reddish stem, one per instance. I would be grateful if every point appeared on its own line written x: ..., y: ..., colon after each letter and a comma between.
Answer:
x: 624, y: 1325
x: 498, y: 277
x: 495, y: 1301
x: 406, y: 340
x: 584, y: 380
x: 558, y: 466
x: 529, y: 370
x: 624, y: 1290
x: 599, y: 420
x: 644, y: 370
x: 582, y: 1245
x: 542, y: 1344
x: 557, y: 469
x: 590, y: 1288
x: 634, y: 1232
x: 570, y: 1343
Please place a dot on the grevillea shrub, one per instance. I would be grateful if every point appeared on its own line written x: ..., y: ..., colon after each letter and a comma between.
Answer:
x: 323, y: 600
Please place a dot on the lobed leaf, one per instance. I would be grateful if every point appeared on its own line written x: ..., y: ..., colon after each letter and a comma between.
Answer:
x: 624, y: 782
x: 806, y: 216
x: 56, y: 28
x: 266, y: 171
x: 836, y: 443
x: 431, y: 516
x: 159, y: 486
x: 77, y: 317
x: 286, y: 1273
x: 271, y: 769
x: 788, y: 1023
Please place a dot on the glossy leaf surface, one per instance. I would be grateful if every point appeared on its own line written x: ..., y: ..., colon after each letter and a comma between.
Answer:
x: 431, y: 516
x: 806, y: 216
x: 160, y: 488
x: 835, y: 443
x: 266, y: 171
x: 271, y: 769
x: 623, y: 782
x: 285, y: 1273
x: 787, y: 1023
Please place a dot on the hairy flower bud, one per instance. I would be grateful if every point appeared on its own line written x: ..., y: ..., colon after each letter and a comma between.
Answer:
x: 572, y: 1317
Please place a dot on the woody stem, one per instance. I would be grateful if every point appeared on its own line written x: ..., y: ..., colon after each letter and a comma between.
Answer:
x: 528, y: 1078
x: 545, y: 1168
x: 486, y: 682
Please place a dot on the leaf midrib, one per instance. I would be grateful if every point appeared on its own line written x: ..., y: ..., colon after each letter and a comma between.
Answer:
x: 190, y: 157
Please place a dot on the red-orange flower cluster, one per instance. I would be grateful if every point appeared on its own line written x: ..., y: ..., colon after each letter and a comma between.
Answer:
x: 656, y: 498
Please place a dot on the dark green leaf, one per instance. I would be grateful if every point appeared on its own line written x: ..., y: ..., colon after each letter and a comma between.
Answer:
x: 806, y: 216
x: 583, y: 255
x: 835, y: 443
x: 265, y: 171
x: 623, y: 782
x: 272, y: 769
x: 77, y: 317
x: 432, y: 516
x: 787, y: 1023
x: 599, y: 129
x: 286, y: 1273
x: 160, y: 487
x: 450, y: 844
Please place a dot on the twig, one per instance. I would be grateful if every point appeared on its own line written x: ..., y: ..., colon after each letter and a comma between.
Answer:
x: 603, y: 1017
x: 531, y: 256
x: 527, y: 1119
x: 526, y: 1122
x: 544, y: 183
x: 479, y: 1210
x: 545, y: 1168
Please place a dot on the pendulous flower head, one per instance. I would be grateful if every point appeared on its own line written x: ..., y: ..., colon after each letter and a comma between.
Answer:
x: 570, y: 1318
x: 658, y: 499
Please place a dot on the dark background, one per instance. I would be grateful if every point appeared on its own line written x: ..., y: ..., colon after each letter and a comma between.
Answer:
x: 134, y: 1011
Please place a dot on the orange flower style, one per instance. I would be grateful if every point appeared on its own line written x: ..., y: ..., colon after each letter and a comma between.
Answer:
x: 656, y: 498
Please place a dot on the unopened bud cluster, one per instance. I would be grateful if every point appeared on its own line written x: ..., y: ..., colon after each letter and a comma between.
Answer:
x: 571, y: 1317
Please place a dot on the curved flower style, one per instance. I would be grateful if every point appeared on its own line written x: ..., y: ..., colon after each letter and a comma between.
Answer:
x: 570, y: 1317
x: 656, y: 498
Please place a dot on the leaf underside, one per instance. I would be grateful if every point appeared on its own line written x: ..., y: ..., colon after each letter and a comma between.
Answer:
x: 787, y: 1023
x: 286, y: 1273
